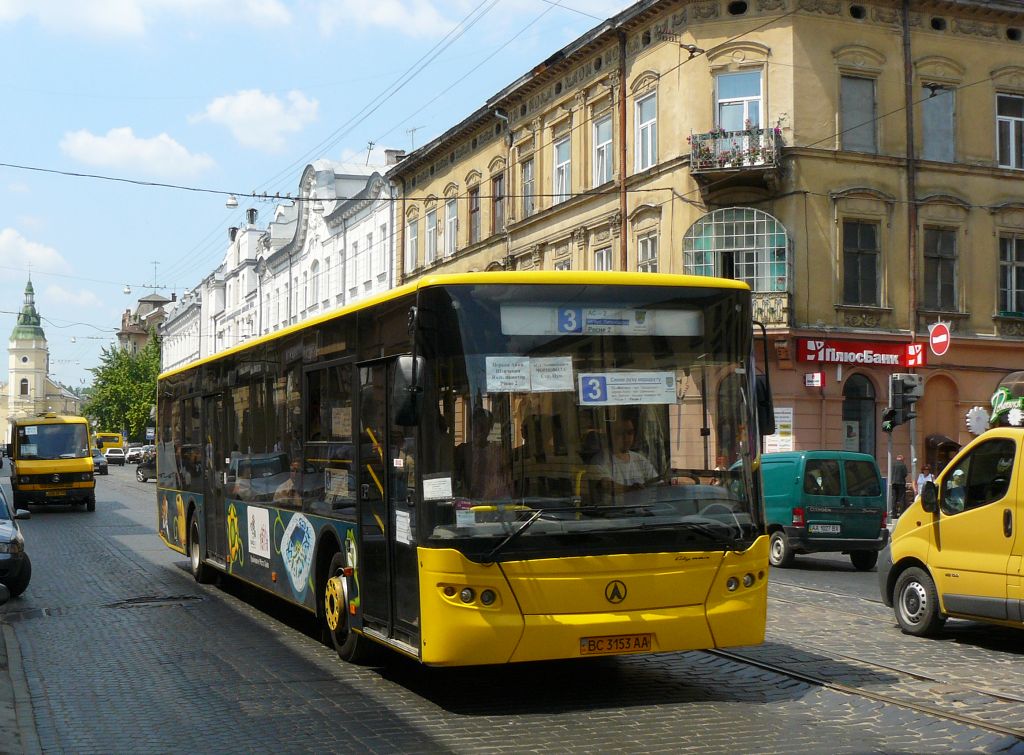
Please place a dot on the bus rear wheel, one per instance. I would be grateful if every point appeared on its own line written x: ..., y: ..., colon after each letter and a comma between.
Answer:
x: 334, y: 615
x: 202, y: 573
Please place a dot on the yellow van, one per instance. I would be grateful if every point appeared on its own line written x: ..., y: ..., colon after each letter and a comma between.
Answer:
x: 109, y: 440
x: 51, y: 461
x: 958, y: 551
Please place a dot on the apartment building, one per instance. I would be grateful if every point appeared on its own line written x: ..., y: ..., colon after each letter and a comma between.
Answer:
x: 859, y: 164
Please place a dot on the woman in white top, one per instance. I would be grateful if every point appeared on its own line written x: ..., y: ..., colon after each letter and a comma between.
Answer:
x: 925, y: 476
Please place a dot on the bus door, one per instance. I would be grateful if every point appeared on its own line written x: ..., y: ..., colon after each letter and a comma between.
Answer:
x: 389, y: 578
x: 214, y: 470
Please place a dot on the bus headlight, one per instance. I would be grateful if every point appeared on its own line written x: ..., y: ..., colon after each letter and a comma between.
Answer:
x: 748, y: 579
x: 487, y: 597
x: 86, y: 476
x: 732, y: 584
x: 467, y: 595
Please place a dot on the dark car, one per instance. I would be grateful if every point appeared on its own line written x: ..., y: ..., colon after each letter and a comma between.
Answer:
x: 146, y: 470
x: 15, y: 567
x: 99, y: 462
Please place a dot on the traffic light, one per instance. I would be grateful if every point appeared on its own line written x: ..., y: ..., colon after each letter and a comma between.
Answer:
x: 904, y: 391
x: 889, y: 419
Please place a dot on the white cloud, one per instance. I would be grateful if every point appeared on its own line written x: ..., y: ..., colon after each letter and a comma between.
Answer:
x: 120, y: 148
x: 82, y: 300
x: 261, y: 120
x: 413, y: 18
x: 132, y: 18
x: 18, y: 188
x: 18, y: 252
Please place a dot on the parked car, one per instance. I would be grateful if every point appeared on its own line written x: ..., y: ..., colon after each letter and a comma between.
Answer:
x: 115, y: 456
x: 15, y: 566
x: 134, y: 455
x: 824, y: 501
x: 99, y: 462
x: 146, y: 470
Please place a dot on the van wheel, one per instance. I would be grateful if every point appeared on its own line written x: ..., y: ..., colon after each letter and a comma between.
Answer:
x: 139, y: 475
x: 864, y: 560
x: 203, y: 574
x: 333, y: 609
x: 917, y: 603
x: 90, y: 502
x: 779, y: 551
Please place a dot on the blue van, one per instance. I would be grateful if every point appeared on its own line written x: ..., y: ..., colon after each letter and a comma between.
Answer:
x: 824, y: 501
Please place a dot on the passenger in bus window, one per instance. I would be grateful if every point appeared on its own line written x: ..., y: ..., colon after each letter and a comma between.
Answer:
x: 480, y: 468
x: 626, y: 468
x: 289, y: 492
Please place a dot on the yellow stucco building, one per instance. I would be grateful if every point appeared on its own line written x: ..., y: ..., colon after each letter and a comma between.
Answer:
x: 859, y: 164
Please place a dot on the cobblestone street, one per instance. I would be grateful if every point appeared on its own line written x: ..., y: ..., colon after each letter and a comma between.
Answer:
x: 125, y: 653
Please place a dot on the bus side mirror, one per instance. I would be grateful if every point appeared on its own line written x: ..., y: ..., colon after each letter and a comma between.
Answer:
x: 930, y: 497
x: 765, y: 406
x: 407, y: 390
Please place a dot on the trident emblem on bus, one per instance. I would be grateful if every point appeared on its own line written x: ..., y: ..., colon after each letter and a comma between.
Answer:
x: 615, y: 591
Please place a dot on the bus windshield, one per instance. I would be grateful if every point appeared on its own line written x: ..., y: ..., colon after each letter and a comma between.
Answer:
x: 52, y: 441
x: 595, y: 418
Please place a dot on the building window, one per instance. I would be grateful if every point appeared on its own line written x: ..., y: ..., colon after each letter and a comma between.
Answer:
x: 474, y: 215
x: 371, y: 251
x: 603, y: 259
x: 430, y: 241
x: 739, y: 243
x: 603, y: 150
x: 937, y: 130
x: 23, y: 387
x: 565, y: 264
x: 528, y: 187
x: 646, y: 132
x: 314, y: 274
x: 1011, y: 274
x: 1010, y: 125
x: 647, y: 253
x: 451, y: 227
x: 412, y: 240
x: 739, y: 100
x: 857, y: 114
x: 563, y: 170
x: 858, y: 416
x: 498, y: 204
x: 940, y: 269
x: 860, y: 263
x: 327, y: 281
x: 305, y: 290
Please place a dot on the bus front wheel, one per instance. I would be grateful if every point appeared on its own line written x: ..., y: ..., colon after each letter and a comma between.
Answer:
x: 334, y: 615
x: 200, y: 571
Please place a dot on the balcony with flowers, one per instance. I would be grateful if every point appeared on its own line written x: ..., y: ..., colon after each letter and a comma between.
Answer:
x: 752, y: 155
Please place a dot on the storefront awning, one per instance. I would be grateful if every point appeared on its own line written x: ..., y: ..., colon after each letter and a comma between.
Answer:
x: 941, y: 442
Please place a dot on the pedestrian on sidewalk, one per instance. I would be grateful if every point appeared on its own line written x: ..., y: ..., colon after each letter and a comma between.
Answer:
x: 899, y: 485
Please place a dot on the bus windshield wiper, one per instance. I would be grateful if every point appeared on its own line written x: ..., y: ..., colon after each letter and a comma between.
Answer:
x: 513, y: 535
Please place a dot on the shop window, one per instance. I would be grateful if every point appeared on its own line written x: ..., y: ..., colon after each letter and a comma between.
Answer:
x: 859, y: 415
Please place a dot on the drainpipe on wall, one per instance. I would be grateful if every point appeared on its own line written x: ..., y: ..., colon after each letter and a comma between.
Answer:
x: 623, y: 249
x: 908, y: 86
x: 400, y: 236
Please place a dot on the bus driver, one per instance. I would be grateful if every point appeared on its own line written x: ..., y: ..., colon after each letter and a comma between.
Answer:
x: 626, y: 468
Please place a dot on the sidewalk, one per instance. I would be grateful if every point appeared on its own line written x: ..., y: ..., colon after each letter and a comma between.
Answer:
x: 17, y: 727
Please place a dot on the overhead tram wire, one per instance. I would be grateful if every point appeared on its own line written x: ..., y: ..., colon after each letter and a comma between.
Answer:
x: 470, y: 20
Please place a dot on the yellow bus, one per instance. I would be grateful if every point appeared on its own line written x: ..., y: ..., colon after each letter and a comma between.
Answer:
x: 485, y: 468
x: 109, y: 440
x: 51, y: 461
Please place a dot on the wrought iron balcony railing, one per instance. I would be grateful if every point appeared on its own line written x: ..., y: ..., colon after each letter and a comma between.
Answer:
x: 721, y: 150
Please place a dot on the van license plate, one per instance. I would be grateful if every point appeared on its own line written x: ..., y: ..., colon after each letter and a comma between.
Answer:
x: 56, y: 493
x: 616, y: 643
x: 825, y: 529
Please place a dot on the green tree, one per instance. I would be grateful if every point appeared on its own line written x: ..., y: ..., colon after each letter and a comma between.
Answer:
x: 123, y: 392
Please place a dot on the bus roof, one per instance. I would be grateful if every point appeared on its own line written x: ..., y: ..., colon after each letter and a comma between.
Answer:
x: 531, y: 277
x: 51, y: 418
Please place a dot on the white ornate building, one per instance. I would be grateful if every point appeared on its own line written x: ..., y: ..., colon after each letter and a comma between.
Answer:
x: 331, y: 246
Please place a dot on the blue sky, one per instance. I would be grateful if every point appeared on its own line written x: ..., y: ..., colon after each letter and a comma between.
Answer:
x: 226, y: 95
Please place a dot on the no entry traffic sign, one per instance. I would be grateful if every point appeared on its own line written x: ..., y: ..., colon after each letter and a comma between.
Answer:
x: 938, y: 338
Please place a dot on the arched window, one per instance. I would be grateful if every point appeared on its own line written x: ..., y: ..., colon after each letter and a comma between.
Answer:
x: 314, y: 278
x: 24, y: 387
x: 859, y: 415
x: 305, y: 290
x: 739, y: 243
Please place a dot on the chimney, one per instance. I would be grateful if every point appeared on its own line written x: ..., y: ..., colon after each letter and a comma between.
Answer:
x: 232, y: 232
x: 250, y: 216
x: 174, y: 296
x: 393, y: 156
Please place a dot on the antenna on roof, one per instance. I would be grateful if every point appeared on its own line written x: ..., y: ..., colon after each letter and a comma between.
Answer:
x: 369, y: 149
